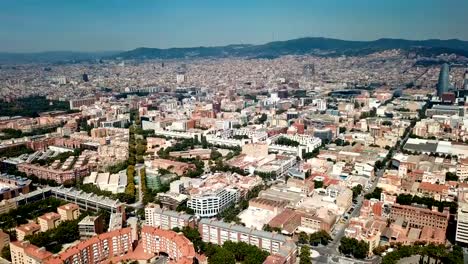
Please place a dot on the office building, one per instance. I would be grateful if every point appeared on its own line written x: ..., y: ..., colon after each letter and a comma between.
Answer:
x: 443, y: 82
x: 90, y: 226
x: 209, y: 204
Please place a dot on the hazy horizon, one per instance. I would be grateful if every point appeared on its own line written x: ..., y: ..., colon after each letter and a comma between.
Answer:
x: 30, y: 26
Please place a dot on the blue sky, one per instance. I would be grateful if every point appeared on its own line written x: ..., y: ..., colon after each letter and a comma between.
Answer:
x: 96, y: 25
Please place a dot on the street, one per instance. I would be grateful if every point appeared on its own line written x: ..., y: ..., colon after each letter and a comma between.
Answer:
x: 330, y: 252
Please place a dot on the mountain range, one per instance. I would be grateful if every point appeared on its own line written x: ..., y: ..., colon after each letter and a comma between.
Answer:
x: 317, y: 46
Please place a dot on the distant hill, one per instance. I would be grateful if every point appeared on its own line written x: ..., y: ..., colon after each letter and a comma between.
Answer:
x: 324, y: 46
x: 318, y: 46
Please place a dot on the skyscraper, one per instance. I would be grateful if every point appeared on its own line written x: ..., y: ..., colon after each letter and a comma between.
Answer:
x: 443, y: 83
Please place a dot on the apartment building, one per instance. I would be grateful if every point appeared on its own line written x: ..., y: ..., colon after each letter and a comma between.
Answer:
x: 25, y: 253
x: 218, y: 232
x: 175, y: 245
x: 97, y: 249
x: 49, y: 221
x: 68, y: 212
x: 166, y: 219
x: 27, y: 229
x: 7, y: 205
x: 4, y: 239
x: 420, y: 217
x: 209, y: 204
x: 461, y: 235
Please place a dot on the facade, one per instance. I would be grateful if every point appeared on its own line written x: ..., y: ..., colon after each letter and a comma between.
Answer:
x: 49, y: 221
x: 25, y: 230
x: 461, y: 235
x: 178, y: 248
x: 77, y: 103
x: 68, y: 212
x: 166, y: 219
x: 443, y: 82
x: 7, y: 205
x: 87, y: 201
x: 25, y: 253
x: 210, y: 204
x: 97, y: 249
x: 4, y: 239
x: 90, y: 226
x: 420, y: 217
x: 58, y: 175
x: 218, y: 232
x: 12, y: 186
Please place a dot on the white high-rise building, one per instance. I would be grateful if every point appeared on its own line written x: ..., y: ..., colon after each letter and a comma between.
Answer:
x: 462, y: 224
x: 211, y: 204
x: 165, y: 219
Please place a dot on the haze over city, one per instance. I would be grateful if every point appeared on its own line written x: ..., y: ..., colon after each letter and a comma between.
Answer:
x: 224, y: 132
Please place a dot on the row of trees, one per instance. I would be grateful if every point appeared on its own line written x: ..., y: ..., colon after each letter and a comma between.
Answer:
x: 16, y: 133
x: 408, y: 199
x: 31, y: 106
x: 430, y: 253
x: 286, y: 142
x: 15, y: 151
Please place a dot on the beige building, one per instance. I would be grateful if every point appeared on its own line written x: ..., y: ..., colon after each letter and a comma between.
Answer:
x: 257, y: 150
x: 49, y: 221
x: 69, y: 211
x: 7, y: 205
x: 25, y: 253
x: 27, y: 229
x: 4, y: 239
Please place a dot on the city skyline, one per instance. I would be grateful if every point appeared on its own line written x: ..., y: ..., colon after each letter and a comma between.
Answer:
x: 35, y: 26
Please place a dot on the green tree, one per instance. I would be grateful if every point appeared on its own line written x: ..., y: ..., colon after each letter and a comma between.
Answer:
x: 222, y: 256
x: 356, y: 190
x: 303, y: 238
x: 215, y: 154
x: 304, y: 256
x: 450, y: 176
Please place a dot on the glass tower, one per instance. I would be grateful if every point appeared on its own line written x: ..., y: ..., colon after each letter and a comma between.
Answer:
x: 443, y: 83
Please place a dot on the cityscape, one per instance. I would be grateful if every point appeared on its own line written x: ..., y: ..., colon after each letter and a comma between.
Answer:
x: 292, y: 151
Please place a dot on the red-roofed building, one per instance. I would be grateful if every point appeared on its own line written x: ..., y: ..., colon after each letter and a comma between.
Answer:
x: 24, y: 252
x: 98, y: 248
x: 175, y: 245
x: 436, y: 191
